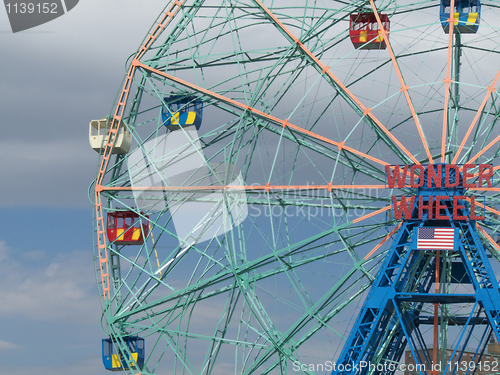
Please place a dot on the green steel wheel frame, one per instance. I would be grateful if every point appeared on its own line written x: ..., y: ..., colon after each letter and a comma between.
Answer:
x: 311, y: 123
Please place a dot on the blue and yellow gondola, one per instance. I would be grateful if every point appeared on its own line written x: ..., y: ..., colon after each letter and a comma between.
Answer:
x: 115, y: 360
x: 182, y: 110
x: 467, y: 14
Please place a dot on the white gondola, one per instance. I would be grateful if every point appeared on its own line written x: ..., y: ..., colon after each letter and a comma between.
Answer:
x: 98, y: 135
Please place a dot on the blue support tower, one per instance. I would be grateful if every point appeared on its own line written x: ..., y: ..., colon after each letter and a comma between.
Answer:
x: 410, y: 305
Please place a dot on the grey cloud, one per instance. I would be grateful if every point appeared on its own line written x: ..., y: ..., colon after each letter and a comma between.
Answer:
x: 62, y: 290
x: 4, y: 345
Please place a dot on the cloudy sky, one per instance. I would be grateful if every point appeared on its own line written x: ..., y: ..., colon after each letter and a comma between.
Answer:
x: 54, y: 79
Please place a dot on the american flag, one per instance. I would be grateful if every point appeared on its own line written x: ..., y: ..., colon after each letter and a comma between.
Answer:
x: 435, y: 238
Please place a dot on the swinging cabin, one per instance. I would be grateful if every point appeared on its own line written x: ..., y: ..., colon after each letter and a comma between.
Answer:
x: 114, y: 360
x: 126, y: 228
x: 98, y: 136
x: 182, y: 110
x: 467, y: 14
x: 365, y: 32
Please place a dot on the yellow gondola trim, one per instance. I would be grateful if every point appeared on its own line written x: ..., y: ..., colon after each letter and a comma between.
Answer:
x: 363, y: 36
x: 116, y: 363
x: 137, y: 234
x: 174, y: 120
x: 472, y: 19
x: 191, y: 118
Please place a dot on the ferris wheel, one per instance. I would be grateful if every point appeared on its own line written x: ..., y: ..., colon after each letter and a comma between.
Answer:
x: 242, y: 211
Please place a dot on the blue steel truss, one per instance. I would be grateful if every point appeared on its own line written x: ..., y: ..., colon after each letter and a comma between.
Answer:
x: 392, y: 314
